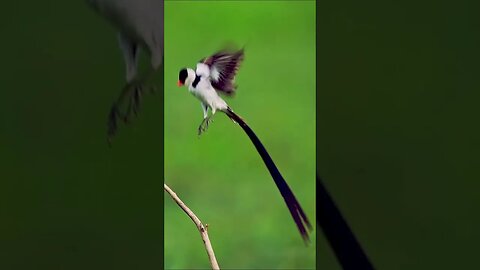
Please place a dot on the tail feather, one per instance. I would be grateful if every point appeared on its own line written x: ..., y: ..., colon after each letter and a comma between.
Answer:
x: 293, y: 205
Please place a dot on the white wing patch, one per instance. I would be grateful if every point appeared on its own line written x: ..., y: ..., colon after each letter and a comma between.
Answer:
x: 203, y: 70
x: 215, y: 75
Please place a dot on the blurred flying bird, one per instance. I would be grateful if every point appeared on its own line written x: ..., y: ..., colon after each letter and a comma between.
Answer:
x: 140, y: 26
x: 214, y: 75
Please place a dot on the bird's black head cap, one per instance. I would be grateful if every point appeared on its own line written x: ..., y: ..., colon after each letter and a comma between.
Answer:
x: 182, y: 76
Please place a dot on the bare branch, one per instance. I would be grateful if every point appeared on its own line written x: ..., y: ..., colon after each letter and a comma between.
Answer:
x: 202, y: 229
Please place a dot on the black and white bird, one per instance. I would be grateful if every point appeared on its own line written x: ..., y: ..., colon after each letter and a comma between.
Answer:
x: 214, y: 75
x: 140, y: 27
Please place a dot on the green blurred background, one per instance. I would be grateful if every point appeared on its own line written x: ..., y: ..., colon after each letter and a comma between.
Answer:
x: 220, y: 175
x: 398, y: 134
x: 67, y: 200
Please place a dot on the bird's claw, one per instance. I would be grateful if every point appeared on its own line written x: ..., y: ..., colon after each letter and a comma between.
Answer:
x: 204, y: 125
x: 136, y: 97
x: 208, y: 122
x: 201, y: 129
x: 126, y: 107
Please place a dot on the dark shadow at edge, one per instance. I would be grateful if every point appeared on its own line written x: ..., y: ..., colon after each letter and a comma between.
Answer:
x: 343, y: 242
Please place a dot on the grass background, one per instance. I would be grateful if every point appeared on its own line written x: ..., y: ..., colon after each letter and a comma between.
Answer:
x: 220, y: 175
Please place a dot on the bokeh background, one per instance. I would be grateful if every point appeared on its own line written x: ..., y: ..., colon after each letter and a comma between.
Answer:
x: 398, y: 134
x: 67, y: 200
x: 220, y: 175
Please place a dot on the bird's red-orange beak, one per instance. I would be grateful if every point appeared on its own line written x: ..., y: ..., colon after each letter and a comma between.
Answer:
x: 179, y: 83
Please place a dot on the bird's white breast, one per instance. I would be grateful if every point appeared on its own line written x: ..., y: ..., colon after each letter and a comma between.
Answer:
x: 207, y: 94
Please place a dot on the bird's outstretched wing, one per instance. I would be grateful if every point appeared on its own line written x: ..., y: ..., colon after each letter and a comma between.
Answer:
x: 223, y: 68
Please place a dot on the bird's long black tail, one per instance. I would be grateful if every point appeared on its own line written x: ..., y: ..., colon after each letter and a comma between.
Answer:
x: 293, y: 205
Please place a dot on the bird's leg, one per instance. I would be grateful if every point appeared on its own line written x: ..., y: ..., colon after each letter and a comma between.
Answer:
x: 130, y: 50
x: 210, y: 119
x: 129, y: 97
x: 205, y: 123
x: 202, y: 127
x: 129, y: 101
x: 127, y: 105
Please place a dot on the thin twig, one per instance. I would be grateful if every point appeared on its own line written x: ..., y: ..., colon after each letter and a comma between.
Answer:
x: 202, y: 229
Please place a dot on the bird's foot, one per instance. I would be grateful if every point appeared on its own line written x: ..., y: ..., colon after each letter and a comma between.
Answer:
x: 204, y: 125
x: 202, y: 128
x: 135, y: 97
x: 126, y: 107
x: 209, y: 121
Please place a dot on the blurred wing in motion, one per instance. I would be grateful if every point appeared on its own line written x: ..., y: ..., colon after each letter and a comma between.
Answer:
x: 223, y: 68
